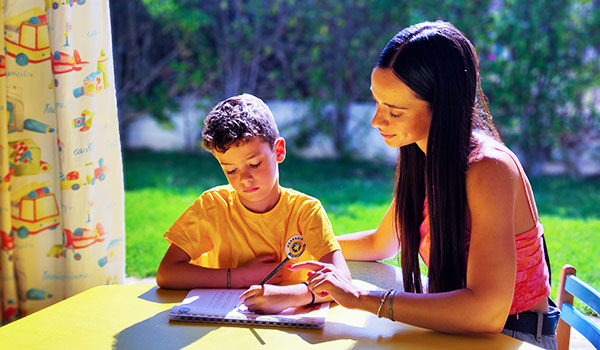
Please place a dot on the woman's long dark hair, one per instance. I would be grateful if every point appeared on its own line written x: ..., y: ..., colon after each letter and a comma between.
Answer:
x: 437, y: 62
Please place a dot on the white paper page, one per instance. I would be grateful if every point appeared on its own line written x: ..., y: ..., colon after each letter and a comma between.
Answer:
x: 222, y: 303
x: 215, y: 301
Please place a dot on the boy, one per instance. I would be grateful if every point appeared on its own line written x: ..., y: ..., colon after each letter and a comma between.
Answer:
x: 235, y: 235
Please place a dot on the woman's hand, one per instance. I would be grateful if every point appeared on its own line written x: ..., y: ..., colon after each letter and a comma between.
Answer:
x: 271, y: 299
x: 327, y: 280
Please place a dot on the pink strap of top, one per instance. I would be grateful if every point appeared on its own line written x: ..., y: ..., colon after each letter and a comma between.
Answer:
x: 532, y: 284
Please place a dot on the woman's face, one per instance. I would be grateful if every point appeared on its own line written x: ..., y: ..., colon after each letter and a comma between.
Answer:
x: 401, y: 117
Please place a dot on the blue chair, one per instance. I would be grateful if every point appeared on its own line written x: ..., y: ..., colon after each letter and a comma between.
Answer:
x: 570, y: 286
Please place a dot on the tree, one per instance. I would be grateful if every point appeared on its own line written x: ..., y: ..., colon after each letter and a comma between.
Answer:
x: 230, y: 46
x: 539, y: 60
x: 339, y: 53
x: 143, y: 54
x: 542, y: 63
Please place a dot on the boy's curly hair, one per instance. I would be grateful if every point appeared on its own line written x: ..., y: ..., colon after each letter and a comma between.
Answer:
x: 236, y: 120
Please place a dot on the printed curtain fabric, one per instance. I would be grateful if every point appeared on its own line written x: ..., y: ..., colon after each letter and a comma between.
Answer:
x: 61, y: 188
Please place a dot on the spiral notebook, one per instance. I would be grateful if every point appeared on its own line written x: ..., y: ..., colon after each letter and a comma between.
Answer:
x: 221, y: 306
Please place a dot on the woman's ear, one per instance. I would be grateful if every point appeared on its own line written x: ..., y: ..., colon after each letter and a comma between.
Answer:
x: 280, y: 149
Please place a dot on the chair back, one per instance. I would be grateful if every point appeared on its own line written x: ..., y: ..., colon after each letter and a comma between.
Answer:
x: 569, y: 286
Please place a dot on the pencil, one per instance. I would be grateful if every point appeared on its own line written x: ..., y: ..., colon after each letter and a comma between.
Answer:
x: 275, y: 270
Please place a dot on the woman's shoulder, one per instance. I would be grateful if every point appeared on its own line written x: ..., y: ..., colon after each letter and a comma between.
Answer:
x: 488, y: 151
x: 491, y: 162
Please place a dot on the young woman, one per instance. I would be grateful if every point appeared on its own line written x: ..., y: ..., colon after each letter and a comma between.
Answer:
x: 462, y: 202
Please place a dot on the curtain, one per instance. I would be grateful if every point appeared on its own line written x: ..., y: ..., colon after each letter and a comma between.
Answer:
x: 61, y: 188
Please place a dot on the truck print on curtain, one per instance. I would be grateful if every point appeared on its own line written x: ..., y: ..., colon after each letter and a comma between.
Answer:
x: 61, y: 183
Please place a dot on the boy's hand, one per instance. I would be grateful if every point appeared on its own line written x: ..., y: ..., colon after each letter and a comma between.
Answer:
x: 256, y: 271
x: 270, y: 299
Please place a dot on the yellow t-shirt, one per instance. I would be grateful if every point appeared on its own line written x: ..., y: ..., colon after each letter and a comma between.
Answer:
x: 217, y: 231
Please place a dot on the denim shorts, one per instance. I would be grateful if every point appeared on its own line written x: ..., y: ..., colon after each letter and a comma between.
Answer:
x: 548, y: 342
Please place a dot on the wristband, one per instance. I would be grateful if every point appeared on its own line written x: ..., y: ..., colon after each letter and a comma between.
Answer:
x: 228, y: 278
x: 311, y: 293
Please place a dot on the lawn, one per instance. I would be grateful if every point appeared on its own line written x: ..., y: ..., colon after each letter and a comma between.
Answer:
x: 159, y: 187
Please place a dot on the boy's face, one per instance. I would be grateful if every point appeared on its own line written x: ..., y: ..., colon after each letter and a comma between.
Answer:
x: 252, y: 170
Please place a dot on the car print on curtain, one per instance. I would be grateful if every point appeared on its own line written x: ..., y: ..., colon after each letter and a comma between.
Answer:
x: 61, y: 183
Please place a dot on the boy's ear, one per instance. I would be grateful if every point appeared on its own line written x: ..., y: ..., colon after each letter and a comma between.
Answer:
x: 280, y: 149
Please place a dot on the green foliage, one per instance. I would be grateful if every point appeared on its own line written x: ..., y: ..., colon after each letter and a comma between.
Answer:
x: 539, y: 59
x: 156, y: 102
x: 230, y: 47
x: 343, y: 42
x: 177, y: 15
x: 540, y: 63
x: 160, y: 186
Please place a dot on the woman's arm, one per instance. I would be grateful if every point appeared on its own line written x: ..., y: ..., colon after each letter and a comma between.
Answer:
x: 336, y: 258
x: 381, y: 243
x: 176, y: 272
x: 483, y: 305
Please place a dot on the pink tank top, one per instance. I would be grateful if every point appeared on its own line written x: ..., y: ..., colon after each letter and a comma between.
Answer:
x: 532, y: 284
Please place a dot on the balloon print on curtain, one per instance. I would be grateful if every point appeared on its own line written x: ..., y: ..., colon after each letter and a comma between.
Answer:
x: 61, y: 189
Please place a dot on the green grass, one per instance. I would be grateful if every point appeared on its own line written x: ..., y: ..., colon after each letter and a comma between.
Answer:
x: 160, y: 186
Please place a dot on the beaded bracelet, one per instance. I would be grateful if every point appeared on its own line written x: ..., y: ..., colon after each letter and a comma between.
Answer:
x: 311, y: 293
x: 382, y: 301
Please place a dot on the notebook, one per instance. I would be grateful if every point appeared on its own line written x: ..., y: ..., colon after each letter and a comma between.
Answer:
x: 221, y: 306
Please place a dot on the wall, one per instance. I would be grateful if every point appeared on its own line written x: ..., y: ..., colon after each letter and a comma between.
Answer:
x: 365, y: 141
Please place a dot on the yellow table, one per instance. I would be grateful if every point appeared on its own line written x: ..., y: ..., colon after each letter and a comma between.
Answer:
x: 135, y: 317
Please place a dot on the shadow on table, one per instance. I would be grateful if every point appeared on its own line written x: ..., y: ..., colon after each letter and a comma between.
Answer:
x: 377, y: 333
x: 385, y: 334
x: 152, y: 334
x: 164, y: 296
x: 370, y: 333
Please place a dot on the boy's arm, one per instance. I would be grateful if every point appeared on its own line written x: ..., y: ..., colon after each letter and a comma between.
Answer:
x: 176, y: 272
